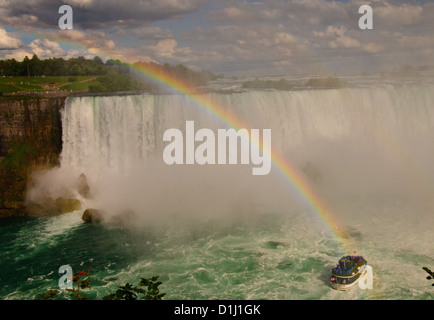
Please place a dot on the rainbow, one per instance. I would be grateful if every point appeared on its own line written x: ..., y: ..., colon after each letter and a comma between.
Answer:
x: 290, y: 173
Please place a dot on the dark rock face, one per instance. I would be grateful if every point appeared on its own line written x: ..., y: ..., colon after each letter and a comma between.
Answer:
x: 93, y: 215
x: 53, y: 207
x: 30, y: 138
x: 83, y: 187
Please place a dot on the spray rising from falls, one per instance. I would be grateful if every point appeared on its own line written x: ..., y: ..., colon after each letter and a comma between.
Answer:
x: 348, y: 144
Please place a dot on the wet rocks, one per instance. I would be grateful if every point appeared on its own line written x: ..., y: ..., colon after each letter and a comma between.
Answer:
x: 93, y: 216
x: 67, y: 205
x: 53, y: 206
x: 83, y: 187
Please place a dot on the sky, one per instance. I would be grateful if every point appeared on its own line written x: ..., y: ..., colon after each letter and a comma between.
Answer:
x: 230, y: 37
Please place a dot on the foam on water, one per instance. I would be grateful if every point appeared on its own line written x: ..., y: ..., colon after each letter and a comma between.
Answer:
x: 270, y: 256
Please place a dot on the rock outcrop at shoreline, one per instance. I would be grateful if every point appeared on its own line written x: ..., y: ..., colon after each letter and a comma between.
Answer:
x: 53, y: 207
x: 93, y: 216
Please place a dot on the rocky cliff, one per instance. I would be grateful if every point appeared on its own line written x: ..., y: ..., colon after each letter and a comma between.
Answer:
x: 30, y: 139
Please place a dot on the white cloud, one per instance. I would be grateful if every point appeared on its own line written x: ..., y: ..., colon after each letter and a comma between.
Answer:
x: 152, y: 33
x: 7, y: 41
x: 372, y: 47
x: 80, y: 3
x: 165, y: 48
x: 91, y: 40
x: 338, y: 37
x: 43, y: 48
x: 398, y: 16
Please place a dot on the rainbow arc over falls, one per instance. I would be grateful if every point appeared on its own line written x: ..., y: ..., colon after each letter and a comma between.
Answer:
x: 291, y: 175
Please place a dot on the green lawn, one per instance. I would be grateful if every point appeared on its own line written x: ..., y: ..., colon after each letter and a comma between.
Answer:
x: 7, y: 88
x: 32, y: 84
x: 79, y: 85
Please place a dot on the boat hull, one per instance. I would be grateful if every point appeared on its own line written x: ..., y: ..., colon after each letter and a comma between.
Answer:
x: 347, y: 286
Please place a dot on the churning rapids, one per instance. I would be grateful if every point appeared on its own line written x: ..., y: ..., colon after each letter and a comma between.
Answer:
x: 217, y: 232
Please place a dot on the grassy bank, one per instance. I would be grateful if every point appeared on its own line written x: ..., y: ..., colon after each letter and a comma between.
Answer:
x: 15, y: 85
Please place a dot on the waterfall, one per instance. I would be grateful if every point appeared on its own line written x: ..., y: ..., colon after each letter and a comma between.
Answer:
x: 114, y: 132
x: 347, y: 142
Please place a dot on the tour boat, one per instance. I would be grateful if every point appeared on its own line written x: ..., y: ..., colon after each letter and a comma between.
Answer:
x: 348, y: 272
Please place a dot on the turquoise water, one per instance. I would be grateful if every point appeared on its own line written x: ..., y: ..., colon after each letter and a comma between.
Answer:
x: 269, y: 256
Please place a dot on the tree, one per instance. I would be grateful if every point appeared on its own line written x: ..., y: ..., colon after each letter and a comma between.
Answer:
x: 35, y: 66
x: 12, y: 67
x: 81, y: 284
x: 26, y: 66
x: 128, y: 292
x: 56, y: 67
x: 115, y: 81
x: 97, y: 60
x: 75, y: 70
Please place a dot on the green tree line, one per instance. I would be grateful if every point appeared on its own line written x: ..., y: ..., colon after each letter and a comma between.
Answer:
x: 36, y: 67
x: 113, y: 75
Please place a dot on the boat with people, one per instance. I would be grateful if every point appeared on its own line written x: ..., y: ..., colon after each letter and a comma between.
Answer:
x: 347, y: 273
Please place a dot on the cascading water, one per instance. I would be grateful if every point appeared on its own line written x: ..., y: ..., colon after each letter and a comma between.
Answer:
x: 216, y: 231
x: 358, y: 141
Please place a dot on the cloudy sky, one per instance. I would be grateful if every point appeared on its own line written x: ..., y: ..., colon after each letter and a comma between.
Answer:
x: 233, y: 37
